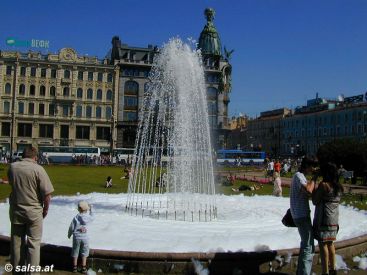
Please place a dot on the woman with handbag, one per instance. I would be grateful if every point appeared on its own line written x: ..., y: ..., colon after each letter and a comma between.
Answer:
x: 326, y: 198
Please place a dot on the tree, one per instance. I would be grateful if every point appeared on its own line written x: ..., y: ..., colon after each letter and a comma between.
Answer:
x: 350, y: 153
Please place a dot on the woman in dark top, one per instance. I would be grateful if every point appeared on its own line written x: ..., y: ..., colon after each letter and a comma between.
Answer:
x: 326, y: 198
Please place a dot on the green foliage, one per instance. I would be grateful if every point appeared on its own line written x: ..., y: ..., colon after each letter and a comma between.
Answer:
x: 352, y: 154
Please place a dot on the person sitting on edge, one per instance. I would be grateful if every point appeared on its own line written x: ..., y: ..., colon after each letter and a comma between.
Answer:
x: 108, y: 182
x: 78, y: 228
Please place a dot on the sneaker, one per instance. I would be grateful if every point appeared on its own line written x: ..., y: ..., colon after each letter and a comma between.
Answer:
x: 75, y: 269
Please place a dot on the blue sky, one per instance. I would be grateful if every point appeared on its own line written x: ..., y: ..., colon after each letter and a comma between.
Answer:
x: 285, y: 50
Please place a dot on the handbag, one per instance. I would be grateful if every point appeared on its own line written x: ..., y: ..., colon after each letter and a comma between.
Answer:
x: 288, y: 219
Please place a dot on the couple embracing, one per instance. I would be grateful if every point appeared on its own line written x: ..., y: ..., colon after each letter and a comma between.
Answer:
x: 326, y: 196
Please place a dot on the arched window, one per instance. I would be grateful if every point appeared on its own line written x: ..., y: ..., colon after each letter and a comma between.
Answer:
x: 79, y: 93
x: 32, y: 90
x: 88, y: 112
x: 212, y: 93
x: 99, y: 94
x: 7, y: 88
x: 52, y: 91
x: 90, y: 94
x: 66, y: 91
x: 131, y: 88
x: 98, y: 112
x: 108, y: 112
x: 42, y: 90
x: 109, y: 95
x: 79, y: 111
x: 22, y: 89
x: 67, y: 74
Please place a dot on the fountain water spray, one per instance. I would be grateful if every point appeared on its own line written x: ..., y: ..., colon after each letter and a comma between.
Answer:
x: 172, y: 169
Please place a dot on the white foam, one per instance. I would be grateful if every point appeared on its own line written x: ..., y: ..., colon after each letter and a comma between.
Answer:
x: 243, y: 224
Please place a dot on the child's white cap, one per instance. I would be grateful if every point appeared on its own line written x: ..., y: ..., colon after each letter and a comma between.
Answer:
x: 83, y: 205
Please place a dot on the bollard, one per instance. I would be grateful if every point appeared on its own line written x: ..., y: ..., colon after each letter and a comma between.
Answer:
x: 184, y: 216
x: 158, y: 214
x: 166, y: 214
x: 205, y: 215
x: 142, y: 213
x: 192, y: 216
x: 199, y: 215
x: 175, y: 214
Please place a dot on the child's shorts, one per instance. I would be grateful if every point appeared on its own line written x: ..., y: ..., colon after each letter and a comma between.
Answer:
x: 80, y: 247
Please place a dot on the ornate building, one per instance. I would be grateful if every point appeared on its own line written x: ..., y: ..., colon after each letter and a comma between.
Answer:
x: 57, y: 100
x: 135, y: 64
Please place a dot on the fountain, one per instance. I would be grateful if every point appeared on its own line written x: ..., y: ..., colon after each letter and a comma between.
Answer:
x: 172, y: 170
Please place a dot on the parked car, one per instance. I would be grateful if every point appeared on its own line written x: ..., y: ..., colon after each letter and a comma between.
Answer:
x: 17, y: 156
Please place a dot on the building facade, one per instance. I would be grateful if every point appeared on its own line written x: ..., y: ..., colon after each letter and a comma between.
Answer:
x: 135, y: 64
x: 322, y: 121
x: 57, y: 100
x: 264, y: 133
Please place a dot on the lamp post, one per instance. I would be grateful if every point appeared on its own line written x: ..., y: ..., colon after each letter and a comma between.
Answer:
x: 12, y: 124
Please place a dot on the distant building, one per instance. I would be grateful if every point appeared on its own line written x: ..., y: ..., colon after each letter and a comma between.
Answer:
x: 322, y: 121
x: 58, y: 99
x: 237, y: 138
x: 135, y: 64
x: 264, y: 132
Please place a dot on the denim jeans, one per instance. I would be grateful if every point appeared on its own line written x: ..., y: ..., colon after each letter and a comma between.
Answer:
x: 307, y: 247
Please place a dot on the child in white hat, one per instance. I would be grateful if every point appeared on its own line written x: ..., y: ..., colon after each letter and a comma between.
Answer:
x: 78, y: 228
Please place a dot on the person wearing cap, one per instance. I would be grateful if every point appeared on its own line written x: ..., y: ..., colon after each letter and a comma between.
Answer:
x: 79, y: 229
x: 29, y: 200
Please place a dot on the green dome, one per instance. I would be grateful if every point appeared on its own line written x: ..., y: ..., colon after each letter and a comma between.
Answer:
x: 209, y: 41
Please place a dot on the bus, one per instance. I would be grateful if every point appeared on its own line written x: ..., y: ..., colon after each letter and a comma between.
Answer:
x: 240, y: 157
x: 64, y: 154
x: 123, y: 155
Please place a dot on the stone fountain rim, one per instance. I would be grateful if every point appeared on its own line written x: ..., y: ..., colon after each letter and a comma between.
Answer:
x: 178, y: 256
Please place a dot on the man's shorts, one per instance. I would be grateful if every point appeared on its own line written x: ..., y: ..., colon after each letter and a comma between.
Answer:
x: 80, y: 247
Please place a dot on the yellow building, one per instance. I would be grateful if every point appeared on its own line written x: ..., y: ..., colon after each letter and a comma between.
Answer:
x: 57, y: 100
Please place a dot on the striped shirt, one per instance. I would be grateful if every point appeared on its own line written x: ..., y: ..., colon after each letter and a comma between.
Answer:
x: 300, y: 207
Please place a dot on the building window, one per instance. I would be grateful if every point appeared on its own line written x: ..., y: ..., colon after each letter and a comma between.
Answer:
x: 6, y: 107
x: 88, y: 111
x: 79, y: 93
x: 79, y: 111
x: 52, y: 91
x: 20, y: 107
x: 67, y: 74
x: 109, y: 95
x: 80, y: 75
x: 21, y: 89
x: 46, y: 130
x: 90, y: 76
x: 103, y: 133
x: 130, y: 116
x: 25, y: 129
x: 64, y: 133
x: 8, y: 70
x: 22, y: 71
x: 212, y: 108
x: 43, y: 72
x: 42, y: 90
x: 98, y: 112
x: 51, y: 109
x: 31, y: 108
x: 53, y: 73
x: 99, y: 94
x: 33, y: 71
x: 130, y: 102
x: 108, y: 112
x: 131, y: 88
x: 65, y: 110
x: 82, y: 132
x: 7, y: 88
x: 90, y: 94
x: 100, y: 76
x: 109, y: 77
x: 5, y: 129
x: 32, y: 90
x: 41, y: 109
x: 66, y: 91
